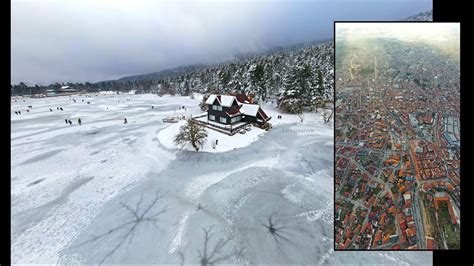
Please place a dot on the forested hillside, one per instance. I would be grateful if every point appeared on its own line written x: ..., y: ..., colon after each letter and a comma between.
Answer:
x: 298, y: 76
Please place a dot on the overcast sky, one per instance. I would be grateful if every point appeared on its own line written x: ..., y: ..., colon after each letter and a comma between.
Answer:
x: 78, y: 41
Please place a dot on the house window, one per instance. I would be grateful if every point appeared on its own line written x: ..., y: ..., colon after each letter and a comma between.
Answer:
x: 235, y: 119
x: 223, y: 120
x: 219, y: 108
x: 214, y: 107
x: 212, y: 117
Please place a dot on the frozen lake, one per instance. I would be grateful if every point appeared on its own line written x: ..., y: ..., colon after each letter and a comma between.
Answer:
x: 105, y: 192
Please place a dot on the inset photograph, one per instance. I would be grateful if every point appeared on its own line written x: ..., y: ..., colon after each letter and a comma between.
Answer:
x: 397, y: 136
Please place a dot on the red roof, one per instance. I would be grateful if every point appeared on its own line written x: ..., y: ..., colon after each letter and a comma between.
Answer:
x: 411, y: 232
x: 262, y: 114
x: 430, y: 243
x: 241, y: 97
x: 347, y: 243
x: 377, y: 237
x: 451, y: 213
x: 346, y: 219
x: 233, y: 110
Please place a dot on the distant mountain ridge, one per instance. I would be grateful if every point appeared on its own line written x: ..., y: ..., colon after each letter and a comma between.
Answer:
x: 423, y: 16
x: 182, y: 70
x: 171, y: 72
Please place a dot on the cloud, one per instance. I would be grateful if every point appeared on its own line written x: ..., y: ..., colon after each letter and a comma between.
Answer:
x: 99, y: 40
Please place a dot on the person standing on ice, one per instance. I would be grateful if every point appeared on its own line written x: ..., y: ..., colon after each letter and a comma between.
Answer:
x: 65, y: 121
x: 70, y: 123
x: 50, y: 109
x: 125, y: 121
x: 79, y: 121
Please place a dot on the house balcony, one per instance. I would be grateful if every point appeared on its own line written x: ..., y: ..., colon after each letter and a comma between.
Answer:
x: 229, y: 129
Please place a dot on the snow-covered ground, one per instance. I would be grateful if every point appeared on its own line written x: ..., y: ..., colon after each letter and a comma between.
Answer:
x: 108, y: 192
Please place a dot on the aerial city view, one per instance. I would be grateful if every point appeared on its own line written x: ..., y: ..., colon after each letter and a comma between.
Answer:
x: 397, y: 143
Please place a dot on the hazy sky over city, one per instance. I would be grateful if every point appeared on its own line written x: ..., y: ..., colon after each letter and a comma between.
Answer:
x: 415, y: 30
x: 444, y: 37
x: 81, y: 41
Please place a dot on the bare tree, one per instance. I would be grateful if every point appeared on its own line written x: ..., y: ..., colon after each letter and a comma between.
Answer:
x: 298, y: 112
x: 181, y: 257
x: 210, y: 256
x: 277, y: 231
x: 199, y: 207
x: 192, y: 133
x: 138, y: 217
x: 327, y: 115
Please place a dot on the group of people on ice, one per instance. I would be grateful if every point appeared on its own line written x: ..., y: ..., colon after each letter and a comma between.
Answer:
x: 79, y: 121
x: 57, y: 108
x: 27, y: 110
x: 68, y: 121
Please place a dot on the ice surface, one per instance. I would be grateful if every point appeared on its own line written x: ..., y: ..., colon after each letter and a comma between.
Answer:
x: 108, y: 192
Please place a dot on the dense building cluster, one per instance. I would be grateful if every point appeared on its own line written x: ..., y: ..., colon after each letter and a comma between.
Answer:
x: 397, y: 146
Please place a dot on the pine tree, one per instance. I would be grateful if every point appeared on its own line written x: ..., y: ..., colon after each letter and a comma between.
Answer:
x: 224, y: 78
x: 256, y: 86
x: 290, y: 100
x: 304, y: 77
x: 318, y: 96
x: 320, y: 84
